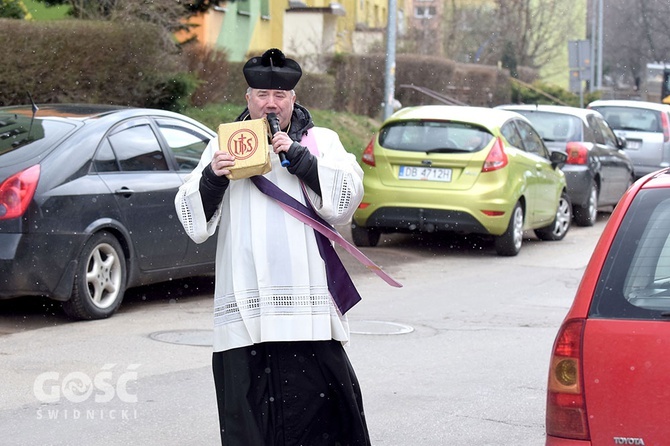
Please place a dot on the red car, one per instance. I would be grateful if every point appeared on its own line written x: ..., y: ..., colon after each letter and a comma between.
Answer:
x: 609, y: 378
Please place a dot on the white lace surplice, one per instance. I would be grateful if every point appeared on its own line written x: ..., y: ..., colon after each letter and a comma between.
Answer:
x: 270, y: 279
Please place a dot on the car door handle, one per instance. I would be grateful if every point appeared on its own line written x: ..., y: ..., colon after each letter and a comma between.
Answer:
x: 124, y: 191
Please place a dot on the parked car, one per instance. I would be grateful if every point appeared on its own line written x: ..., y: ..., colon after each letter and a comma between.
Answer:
x: 597, y: 171
x: 87, y: 203
x: 464, y: 170
x: 646, y: 128
x: 609, y: 369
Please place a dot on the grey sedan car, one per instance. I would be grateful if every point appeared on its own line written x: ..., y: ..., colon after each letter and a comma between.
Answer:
x: 87, y: 203
x: 646, y: 128
x: 598, y: 171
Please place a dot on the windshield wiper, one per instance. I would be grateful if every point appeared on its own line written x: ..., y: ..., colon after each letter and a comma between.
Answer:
x: 632, y: 129
x: 444, y: 150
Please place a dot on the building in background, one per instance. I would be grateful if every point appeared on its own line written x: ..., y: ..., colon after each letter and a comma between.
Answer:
x: 312, y: 29
x: 425, y: 23
x: 239, y: 27
x: 305, y: 29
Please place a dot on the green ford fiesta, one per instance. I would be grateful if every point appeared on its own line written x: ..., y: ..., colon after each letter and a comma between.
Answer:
x: 469, y: 170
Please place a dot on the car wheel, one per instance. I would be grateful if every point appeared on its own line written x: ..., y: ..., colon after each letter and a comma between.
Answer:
x: 587, y: 215
x: 561, y: 224
x: 509, y: 244
x: 100, y: 280
x: 364, y: 236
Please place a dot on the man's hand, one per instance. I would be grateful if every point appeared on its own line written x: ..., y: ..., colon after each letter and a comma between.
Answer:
x: 281, y: 142
x: 222, y: 162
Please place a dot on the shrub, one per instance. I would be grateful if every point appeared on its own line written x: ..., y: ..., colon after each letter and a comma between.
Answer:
x: 316, y: 91
x: 542, y: 93
x: 13, y: 9
x: 361, y: 81
x: 236, y: 85
x: 89, y: 62
x: 172, y: 93
x: 210, y: 68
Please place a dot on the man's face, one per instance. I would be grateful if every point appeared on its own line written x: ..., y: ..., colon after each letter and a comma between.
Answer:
x: 262, y: 102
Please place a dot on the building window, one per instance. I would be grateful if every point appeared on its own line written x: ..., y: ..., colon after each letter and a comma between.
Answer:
x: 424, y: 12
x: 244, y: 7
x: 265, y: 9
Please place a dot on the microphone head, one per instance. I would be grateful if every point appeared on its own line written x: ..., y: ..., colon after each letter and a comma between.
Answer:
x: 274, y: 123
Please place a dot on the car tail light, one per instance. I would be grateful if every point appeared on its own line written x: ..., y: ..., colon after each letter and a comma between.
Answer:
x: 17, y: 191
x: 566, y: 407
x: 496, y: 159
x: 577, y: 153
x: 665, y: 123
x: 368, y: 156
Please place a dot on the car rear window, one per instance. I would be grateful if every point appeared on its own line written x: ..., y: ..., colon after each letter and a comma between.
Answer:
x: 434, y: 136
x: 554, y: 126
x: 631, y: 118
x: 22, y: 137
x: 635, y: 280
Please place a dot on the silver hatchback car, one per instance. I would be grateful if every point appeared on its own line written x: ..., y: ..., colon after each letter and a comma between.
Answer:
x: 646, y: 129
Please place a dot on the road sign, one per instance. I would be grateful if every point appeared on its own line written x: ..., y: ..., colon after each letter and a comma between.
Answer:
x: 579, y: 53
x: 579, y: 60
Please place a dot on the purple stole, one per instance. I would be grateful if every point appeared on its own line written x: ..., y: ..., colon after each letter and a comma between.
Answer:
x: 340, y: 284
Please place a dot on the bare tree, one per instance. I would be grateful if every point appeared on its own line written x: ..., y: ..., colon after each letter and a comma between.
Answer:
x: 469, y: 30
x: 635, y: 32
x: 533, y: 31
x: 514, y: 32
x: 168, y: 14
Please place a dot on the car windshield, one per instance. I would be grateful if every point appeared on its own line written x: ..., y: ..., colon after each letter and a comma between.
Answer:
x: 632, y: 119
x: 20, y: 131
x: 555, y: 127
x: 635, y: 282
x: 434, y: 136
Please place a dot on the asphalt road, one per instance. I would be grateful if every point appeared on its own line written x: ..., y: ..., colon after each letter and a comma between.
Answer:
x: 457, y: 356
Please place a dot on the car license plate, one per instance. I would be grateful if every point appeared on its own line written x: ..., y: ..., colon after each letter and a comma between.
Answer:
x: 424, y: 173
x: 633, y: 145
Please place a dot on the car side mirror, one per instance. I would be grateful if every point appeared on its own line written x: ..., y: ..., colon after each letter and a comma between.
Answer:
x: 621, y: 142
x: 558, y: 159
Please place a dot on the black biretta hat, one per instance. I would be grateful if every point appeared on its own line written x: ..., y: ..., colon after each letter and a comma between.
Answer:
x: 272, y: 71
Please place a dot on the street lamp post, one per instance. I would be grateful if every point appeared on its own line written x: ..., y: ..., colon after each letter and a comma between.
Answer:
x: 389, y: 73
x: 600, y: 45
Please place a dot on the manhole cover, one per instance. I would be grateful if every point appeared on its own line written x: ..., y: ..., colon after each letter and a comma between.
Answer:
x: 379, y: 328
x: 184, y: 337
x: 203, y: 338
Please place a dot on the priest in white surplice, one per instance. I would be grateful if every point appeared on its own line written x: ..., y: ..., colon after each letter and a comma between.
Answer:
x: 282, y: 376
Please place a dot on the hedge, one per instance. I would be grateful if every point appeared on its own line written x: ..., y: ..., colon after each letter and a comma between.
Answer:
x: 127, y: 64
x: 89, y: 61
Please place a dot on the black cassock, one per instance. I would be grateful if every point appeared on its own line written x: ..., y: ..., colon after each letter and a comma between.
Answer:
x: 298, y: 393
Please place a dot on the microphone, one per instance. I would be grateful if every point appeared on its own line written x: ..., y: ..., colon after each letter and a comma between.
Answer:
x: 274, y: 128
